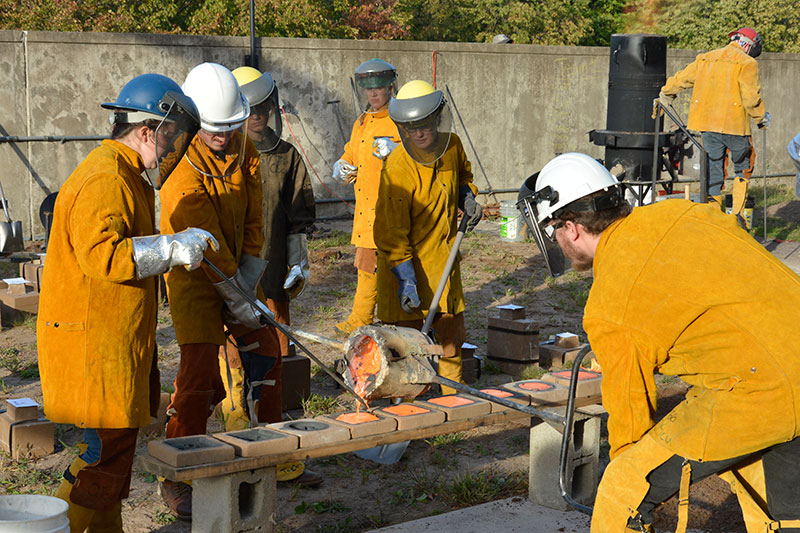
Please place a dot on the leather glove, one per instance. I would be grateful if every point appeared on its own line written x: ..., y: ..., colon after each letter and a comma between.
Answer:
x: 471, y: 208
x: 237, y: 309
x: 156, y: 254
x: 765, y: 122
x: 344, y: 171
x: 383, y: 147
x: 299, y: 270
x: 665, y: 100
x: 409, y: 299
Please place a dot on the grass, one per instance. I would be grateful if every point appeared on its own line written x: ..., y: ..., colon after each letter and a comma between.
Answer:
x: 336, y: 238
x: 776, y: 228
x: 11, y: 360
x: 470, y: 488
x: 533, y: 372
x: 316, y: 405
x: 31, y: 372
x: 449, y: 439
x: 490, y: 368
x: 22, y: 477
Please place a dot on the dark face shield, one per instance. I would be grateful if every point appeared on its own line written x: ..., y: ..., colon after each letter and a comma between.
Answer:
x: 173, y: 135
x: 543, y: 232
x: 264, y: 125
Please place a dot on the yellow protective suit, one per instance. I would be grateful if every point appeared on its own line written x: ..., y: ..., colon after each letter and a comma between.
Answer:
x: 655, y: 306
x: 416, y: 219
x: 96, y: 325
x: 358, y: 152
x: 726, y: 91
x: 229, y: 208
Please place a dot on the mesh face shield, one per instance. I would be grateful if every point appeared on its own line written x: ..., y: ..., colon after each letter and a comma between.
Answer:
x: 264, y: 125
x: 542, y: 232
x: 173, y: 135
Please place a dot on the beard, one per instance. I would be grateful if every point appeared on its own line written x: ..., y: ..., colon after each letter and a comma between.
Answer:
x: 581, y: 261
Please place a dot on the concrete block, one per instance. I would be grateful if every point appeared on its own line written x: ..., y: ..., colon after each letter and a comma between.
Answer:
x: 313, y: 432
x: 588, y: 381
x: 241, y: 502
x: 259, y: 441
x: 470, y: 368
x: 512, y: 368
x: 553, y: 356
x: 502, y: 392
x: 296, y: 375
x: 192, y: 450
x: 21, y: 409
x: 24, y: 301
x: 459, y: 406
x: 582, y: 462
x: 515, y: 340
x: 541, y: 393
x: 363, y: 424
x: 413, y: 415
x: 27, y: 438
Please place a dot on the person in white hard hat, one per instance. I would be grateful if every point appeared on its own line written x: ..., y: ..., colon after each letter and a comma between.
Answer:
x: 739, y: 417
x: 217, y: 187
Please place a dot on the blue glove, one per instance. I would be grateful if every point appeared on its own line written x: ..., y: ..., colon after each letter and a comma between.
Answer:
x: 409, y: 299
x: 471, y: 208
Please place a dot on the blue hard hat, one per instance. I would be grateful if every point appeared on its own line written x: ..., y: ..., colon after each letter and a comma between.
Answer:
x: 143, y: 98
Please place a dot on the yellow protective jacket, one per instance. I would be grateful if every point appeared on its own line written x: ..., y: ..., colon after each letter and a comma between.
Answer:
x: 230, y: 209
x: 656, y: 305
x: 97, y: 323
x: 726, y: 91
x: 358, y: 152
x: 416, y: 220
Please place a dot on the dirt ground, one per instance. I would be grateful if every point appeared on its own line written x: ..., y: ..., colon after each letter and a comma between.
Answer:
x: 435, y: 475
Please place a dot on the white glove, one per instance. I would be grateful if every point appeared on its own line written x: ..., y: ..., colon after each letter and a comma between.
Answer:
x: 344, y: 171
x: 156, y: 254
x: 765, y: 122
x: 297, y: 254
x: 665, y: 100
x: 238, y: 309
x: 383, y: 147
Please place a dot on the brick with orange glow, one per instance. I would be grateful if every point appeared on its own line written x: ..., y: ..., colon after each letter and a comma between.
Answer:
x: 535, y: 385
x: 498, y: 393
x: 582, y: 374
x: 451, y: 401
x: 357, y: 418
x: 405, y: 409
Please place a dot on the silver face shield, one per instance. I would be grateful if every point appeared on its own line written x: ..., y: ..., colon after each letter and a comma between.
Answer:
x: 173, y: 135
x: 224, y: 162
x: 427, y: 140
x: 544, y: 232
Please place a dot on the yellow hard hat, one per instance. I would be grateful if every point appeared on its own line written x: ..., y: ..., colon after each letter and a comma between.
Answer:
x: 255, y: 86
x: 415, y: 89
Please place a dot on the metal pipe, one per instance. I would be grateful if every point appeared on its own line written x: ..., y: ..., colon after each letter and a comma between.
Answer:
x: 656, y: 157
x: 448, y: 269
x: 51, y: 138
x: 253, y: 57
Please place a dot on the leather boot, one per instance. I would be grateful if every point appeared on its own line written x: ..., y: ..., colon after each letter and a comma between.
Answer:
x: 79, y: 516
x: 363, y: 303
x: 232, y: 408
x: 178, y: 497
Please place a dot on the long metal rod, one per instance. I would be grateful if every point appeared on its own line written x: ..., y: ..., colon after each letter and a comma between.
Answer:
x: 764, y: 144
x: 353, y: 89
x: 51, y: 138
x: 544, y: 415
x: 253, y: 57
x: 469, y: 140
x: 565, y: 438
x: 448, y: 269
x: 656, y: 159
x: 265, y: 312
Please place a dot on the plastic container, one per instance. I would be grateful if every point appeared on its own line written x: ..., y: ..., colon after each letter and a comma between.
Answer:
x: 511, y: 223
x: 33, y: 513
x: 747, y: 212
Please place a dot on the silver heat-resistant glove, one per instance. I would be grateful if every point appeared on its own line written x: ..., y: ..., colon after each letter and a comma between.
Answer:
x: 383, y: 146
x: 238, y: 309
x: 156, y: 254
x: 344, y: 172
x: 299, y: 269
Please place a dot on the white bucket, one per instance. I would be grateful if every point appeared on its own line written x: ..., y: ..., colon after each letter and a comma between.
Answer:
x: 511, y: 222
x: 22, y: 513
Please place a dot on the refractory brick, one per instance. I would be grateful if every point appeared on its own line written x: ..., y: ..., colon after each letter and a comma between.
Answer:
x: 258, y: 441
x: 459, y: 406
x: 542, y: 393
x: 413, y: 415
x: 192, y: 450
x: 27, y: 438
x: 313, y: 432
x: 514, y: 339
x: 502, y: 392
x: 20, y: 409
x: 588, y: 381
x: 363, y: 424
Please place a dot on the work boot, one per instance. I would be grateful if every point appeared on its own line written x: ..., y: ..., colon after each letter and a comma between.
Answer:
x: 79, y: 516
x: 107, y: 521
x: 178, y: 497
x: 296, y: 473
x: 363, y: 303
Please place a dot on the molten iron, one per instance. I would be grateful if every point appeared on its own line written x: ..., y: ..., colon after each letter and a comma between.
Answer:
x: 357, y: 418
x: 450, y: 401
x: 406, y: 409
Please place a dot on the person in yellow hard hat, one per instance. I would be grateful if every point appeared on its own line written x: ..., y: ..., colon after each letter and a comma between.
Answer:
x: 424, y: 183
x: 288, y: 211
x: 374, y: 137
x: 739, y: 417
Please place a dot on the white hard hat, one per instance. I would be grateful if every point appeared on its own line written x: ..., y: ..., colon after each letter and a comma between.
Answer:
x: 215, y: 92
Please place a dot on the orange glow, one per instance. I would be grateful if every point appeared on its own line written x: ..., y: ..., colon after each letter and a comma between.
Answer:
x: 582, y: 374
x: 497, y: 392
x: 595, y: 366
x: 364, y: 364
x: 451, y: 401
x: 535, y: 385
x: 357, y: 418
x: 406, y: 409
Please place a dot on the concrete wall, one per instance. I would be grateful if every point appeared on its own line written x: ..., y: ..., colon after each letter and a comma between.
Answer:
x: 521, y: 104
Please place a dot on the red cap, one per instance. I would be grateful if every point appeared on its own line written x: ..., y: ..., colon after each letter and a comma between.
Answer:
x: 750, y: 33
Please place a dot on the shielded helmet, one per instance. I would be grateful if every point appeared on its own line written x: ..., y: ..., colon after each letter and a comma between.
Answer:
x: 156, y: 97
x: 564, y: 184
x: 423, y: 120
x: 264, y: 126
x: 223, y: 109
x: 749, y: 40
x: 374, y: 74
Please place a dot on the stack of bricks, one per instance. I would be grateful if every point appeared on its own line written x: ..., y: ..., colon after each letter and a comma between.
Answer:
x: 513, y: 343
x: 23, y: 433
x: 470, y: 364
x: 560, y: 352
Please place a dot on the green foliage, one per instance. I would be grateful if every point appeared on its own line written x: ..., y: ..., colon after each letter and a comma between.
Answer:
x: 11, y: 360
x: 533, y: 372
x: 475, y: 488
x: 319, y: 405
x: 449, y: 439
x: 335, y: 238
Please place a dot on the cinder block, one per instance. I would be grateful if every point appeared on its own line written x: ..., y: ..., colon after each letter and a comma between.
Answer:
x: 363, y: 424
x: 413, y: 415
x: 502, y: 392
x: 541, y: 393
x: 582, y: 462
x: 588, y: 381
x: 313, y: 432
x: 21, y: 409
x: 27, y: 438
x: 259, y: 441
x: 552, y: 356
x: 511, y: 311
x: 459, y: 406
x: 241, y: 501
x: 296, y: 376
x: 513, y: 368
x: 470, y: 368
x: 192, y: 450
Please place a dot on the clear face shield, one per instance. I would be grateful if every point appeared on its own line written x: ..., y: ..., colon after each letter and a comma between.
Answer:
x: 218, y: 154
x: 173, y: 136
x: 265, y: 125
x: 544, y: 230
x: 427, y: 140
x: 373, y: 99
